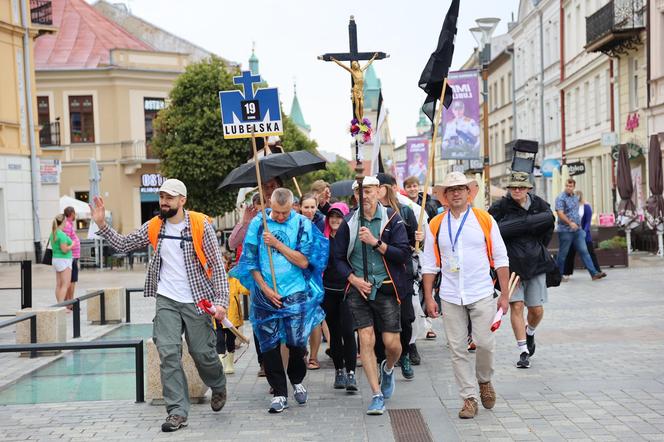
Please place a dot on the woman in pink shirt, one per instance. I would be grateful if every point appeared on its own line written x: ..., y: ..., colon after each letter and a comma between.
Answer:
x: 70, y: 229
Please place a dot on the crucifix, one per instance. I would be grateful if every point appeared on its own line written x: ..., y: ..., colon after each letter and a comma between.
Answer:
x: 357, y: 97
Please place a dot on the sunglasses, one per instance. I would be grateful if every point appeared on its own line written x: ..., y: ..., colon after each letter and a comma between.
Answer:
x: 456, y: 189
x: 519, y: 188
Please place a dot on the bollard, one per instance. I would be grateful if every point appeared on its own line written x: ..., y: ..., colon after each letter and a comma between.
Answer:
x: 26, y: 284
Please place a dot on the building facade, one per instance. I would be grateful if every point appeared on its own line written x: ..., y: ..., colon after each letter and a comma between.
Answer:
x: 655, y: 55
x: 100, y: 96
x: 610, y: 95
x: 536, y: 37
x: 23, y: 208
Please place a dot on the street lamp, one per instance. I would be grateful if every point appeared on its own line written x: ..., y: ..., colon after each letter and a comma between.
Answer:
x: 482, y: 34
x: 535, y: 4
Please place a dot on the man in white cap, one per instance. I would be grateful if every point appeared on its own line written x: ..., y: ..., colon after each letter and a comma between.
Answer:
x: 185, y: 270
x: 373, y: 293
x: 463, y: 243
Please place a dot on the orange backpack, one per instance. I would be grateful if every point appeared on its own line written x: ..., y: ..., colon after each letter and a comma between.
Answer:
x: 484, y: 219
x: 197, y: 223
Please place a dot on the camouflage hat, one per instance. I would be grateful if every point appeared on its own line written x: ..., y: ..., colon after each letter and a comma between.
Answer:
x: 520, y: 179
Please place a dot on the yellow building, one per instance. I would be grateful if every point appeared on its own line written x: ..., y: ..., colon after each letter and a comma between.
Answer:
x: 97, y: 99
x: 21, y: 192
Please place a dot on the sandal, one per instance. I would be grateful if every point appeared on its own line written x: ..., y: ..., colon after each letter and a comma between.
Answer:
x: 431, y: 335
x: 313, y: 364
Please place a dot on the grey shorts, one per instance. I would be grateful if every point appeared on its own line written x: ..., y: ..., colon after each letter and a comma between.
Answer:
x: 384, y: 312
x: 532, y: 292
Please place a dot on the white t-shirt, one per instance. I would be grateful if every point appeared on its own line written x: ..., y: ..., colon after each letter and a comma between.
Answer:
x: 173, y: 282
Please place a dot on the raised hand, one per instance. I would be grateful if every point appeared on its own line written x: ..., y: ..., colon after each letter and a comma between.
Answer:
x: 98, y: 212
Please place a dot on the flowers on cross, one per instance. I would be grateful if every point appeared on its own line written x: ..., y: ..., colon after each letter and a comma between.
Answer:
x: 361, y: 130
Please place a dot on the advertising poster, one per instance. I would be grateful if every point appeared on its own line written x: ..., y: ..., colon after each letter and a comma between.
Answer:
x: 400, y: 172
x: 460, y: 123
x: 417, y: 157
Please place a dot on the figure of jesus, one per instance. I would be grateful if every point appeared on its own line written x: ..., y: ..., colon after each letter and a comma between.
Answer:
x: 357, y: 92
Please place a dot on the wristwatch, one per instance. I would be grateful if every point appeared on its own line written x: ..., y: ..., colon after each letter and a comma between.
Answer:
x: 378, y: 244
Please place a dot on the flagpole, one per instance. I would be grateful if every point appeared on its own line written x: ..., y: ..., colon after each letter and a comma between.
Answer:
x: 262, y: 197
x: 430, y: 166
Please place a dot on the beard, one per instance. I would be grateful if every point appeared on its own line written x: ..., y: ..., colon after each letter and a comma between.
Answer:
x: 168, y: 213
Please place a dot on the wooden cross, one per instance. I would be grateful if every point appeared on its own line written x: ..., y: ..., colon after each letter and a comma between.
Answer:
x: 354, y: 56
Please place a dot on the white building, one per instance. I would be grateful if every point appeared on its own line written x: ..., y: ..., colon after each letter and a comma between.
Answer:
x: 529, y: 53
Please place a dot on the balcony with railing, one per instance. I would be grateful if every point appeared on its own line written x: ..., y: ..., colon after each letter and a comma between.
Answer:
x: 615, y: 27
x: 41, y: 12
x: 49, y: 134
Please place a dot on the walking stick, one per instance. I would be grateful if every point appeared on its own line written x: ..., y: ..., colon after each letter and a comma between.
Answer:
x: 262, y: 197
x: 430, y: 166
x: 360, y: 206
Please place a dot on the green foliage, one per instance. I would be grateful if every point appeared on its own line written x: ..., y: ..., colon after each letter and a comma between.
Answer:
x: 337, y: 171
x: 617, y: 242
x: 189, y: 137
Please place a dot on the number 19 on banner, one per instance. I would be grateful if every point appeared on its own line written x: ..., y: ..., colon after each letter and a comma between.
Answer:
x: 250, y: 110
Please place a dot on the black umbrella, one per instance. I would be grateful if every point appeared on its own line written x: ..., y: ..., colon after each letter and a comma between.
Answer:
x: 655, y: 204
x: 282, y: 165
x: 625, y: 186
x: 342, y: 188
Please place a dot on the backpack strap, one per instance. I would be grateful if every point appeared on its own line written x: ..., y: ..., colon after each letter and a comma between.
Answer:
x: 483, y: 217
x: 154, y: 227
x: 197, y: 223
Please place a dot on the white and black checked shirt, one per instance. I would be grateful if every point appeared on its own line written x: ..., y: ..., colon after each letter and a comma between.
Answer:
x: 214, y: 289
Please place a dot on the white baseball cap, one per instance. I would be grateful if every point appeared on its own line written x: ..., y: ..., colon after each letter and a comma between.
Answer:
x: 173, y: 187
x: 367, y: 181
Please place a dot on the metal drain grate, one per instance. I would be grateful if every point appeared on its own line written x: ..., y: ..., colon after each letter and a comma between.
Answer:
x: 408, y: 425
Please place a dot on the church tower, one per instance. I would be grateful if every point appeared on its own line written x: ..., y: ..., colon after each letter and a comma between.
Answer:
x: 296, y: 115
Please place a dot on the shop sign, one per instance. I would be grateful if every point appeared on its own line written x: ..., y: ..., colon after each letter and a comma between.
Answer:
x: 632, y: 122
x: 577, y: 168
x: 151, y: 182
x: 634, y: 151
x: 607, y: 220
x: 49, y: 171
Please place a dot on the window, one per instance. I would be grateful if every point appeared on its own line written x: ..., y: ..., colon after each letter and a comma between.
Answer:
x: 502, y: 91
x: 597, y: 112
x: 44, y: 121
x: 577, y: 110
x: 547, y: 46
x: 82, y: 196
x: 547, y: 121
x: 555, y: 118
x: 554, y: 43
x: 151, y: 107
x: 633, y: 84
x: 607, y: 98
x: 81, y: 119
x: 568, y: 41
x: 568, y: 106
x: 586, y: 104
x: 509, y: 87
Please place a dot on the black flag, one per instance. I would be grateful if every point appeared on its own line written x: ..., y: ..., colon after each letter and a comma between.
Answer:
x: 435, y: 72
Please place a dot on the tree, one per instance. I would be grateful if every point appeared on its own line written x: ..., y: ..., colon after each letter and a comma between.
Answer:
x: 337, y: 171
x: 189, y: 137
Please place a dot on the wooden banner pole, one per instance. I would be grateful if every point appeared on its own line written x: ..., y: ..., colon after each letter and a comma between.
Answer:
x: 260, y: 192
x: 430, y: 166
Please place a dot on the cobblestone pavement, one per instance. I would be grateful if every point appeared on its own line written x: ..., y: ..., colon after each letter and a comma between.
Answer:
x: 598, y: 374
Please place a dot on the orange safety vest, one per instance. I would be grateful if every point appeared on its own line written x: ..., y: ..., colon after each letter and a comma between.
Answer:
x: 197, y: 223
x: 484, y: 219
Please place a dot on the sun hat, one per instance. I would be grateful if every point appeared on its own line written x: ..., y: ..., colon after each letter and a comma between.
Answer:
x: 519, y: 179
x: 453, y: 179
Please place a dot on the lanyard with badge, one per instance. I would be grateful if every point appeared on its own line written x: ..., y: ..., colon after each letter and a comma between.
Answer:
x: 454, y: 265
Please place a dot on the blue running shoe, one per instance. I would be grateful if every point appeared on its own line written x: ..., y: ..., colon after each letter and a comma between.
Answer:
x: 300, y: 394
x: 279, y: 404
x: 377, y: 406
x: 387, y: 382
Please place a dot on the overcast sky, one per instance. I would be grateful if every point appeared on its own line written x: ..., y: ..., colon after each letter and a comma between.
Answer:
x: 290, y: 34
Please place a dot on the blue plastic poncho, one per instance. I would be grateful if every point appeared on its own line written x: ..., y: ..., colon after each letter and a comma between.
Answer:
x: 301, y: 290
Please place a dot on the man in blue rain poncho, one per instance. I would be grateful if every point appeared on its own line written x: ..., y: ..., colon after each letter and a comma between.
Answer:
x: 288, y: 314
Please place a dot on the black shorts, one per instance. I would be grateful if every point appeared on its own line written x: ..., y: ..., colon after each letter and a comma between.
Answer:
x: 74, y: 270
x: 384, y: 312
